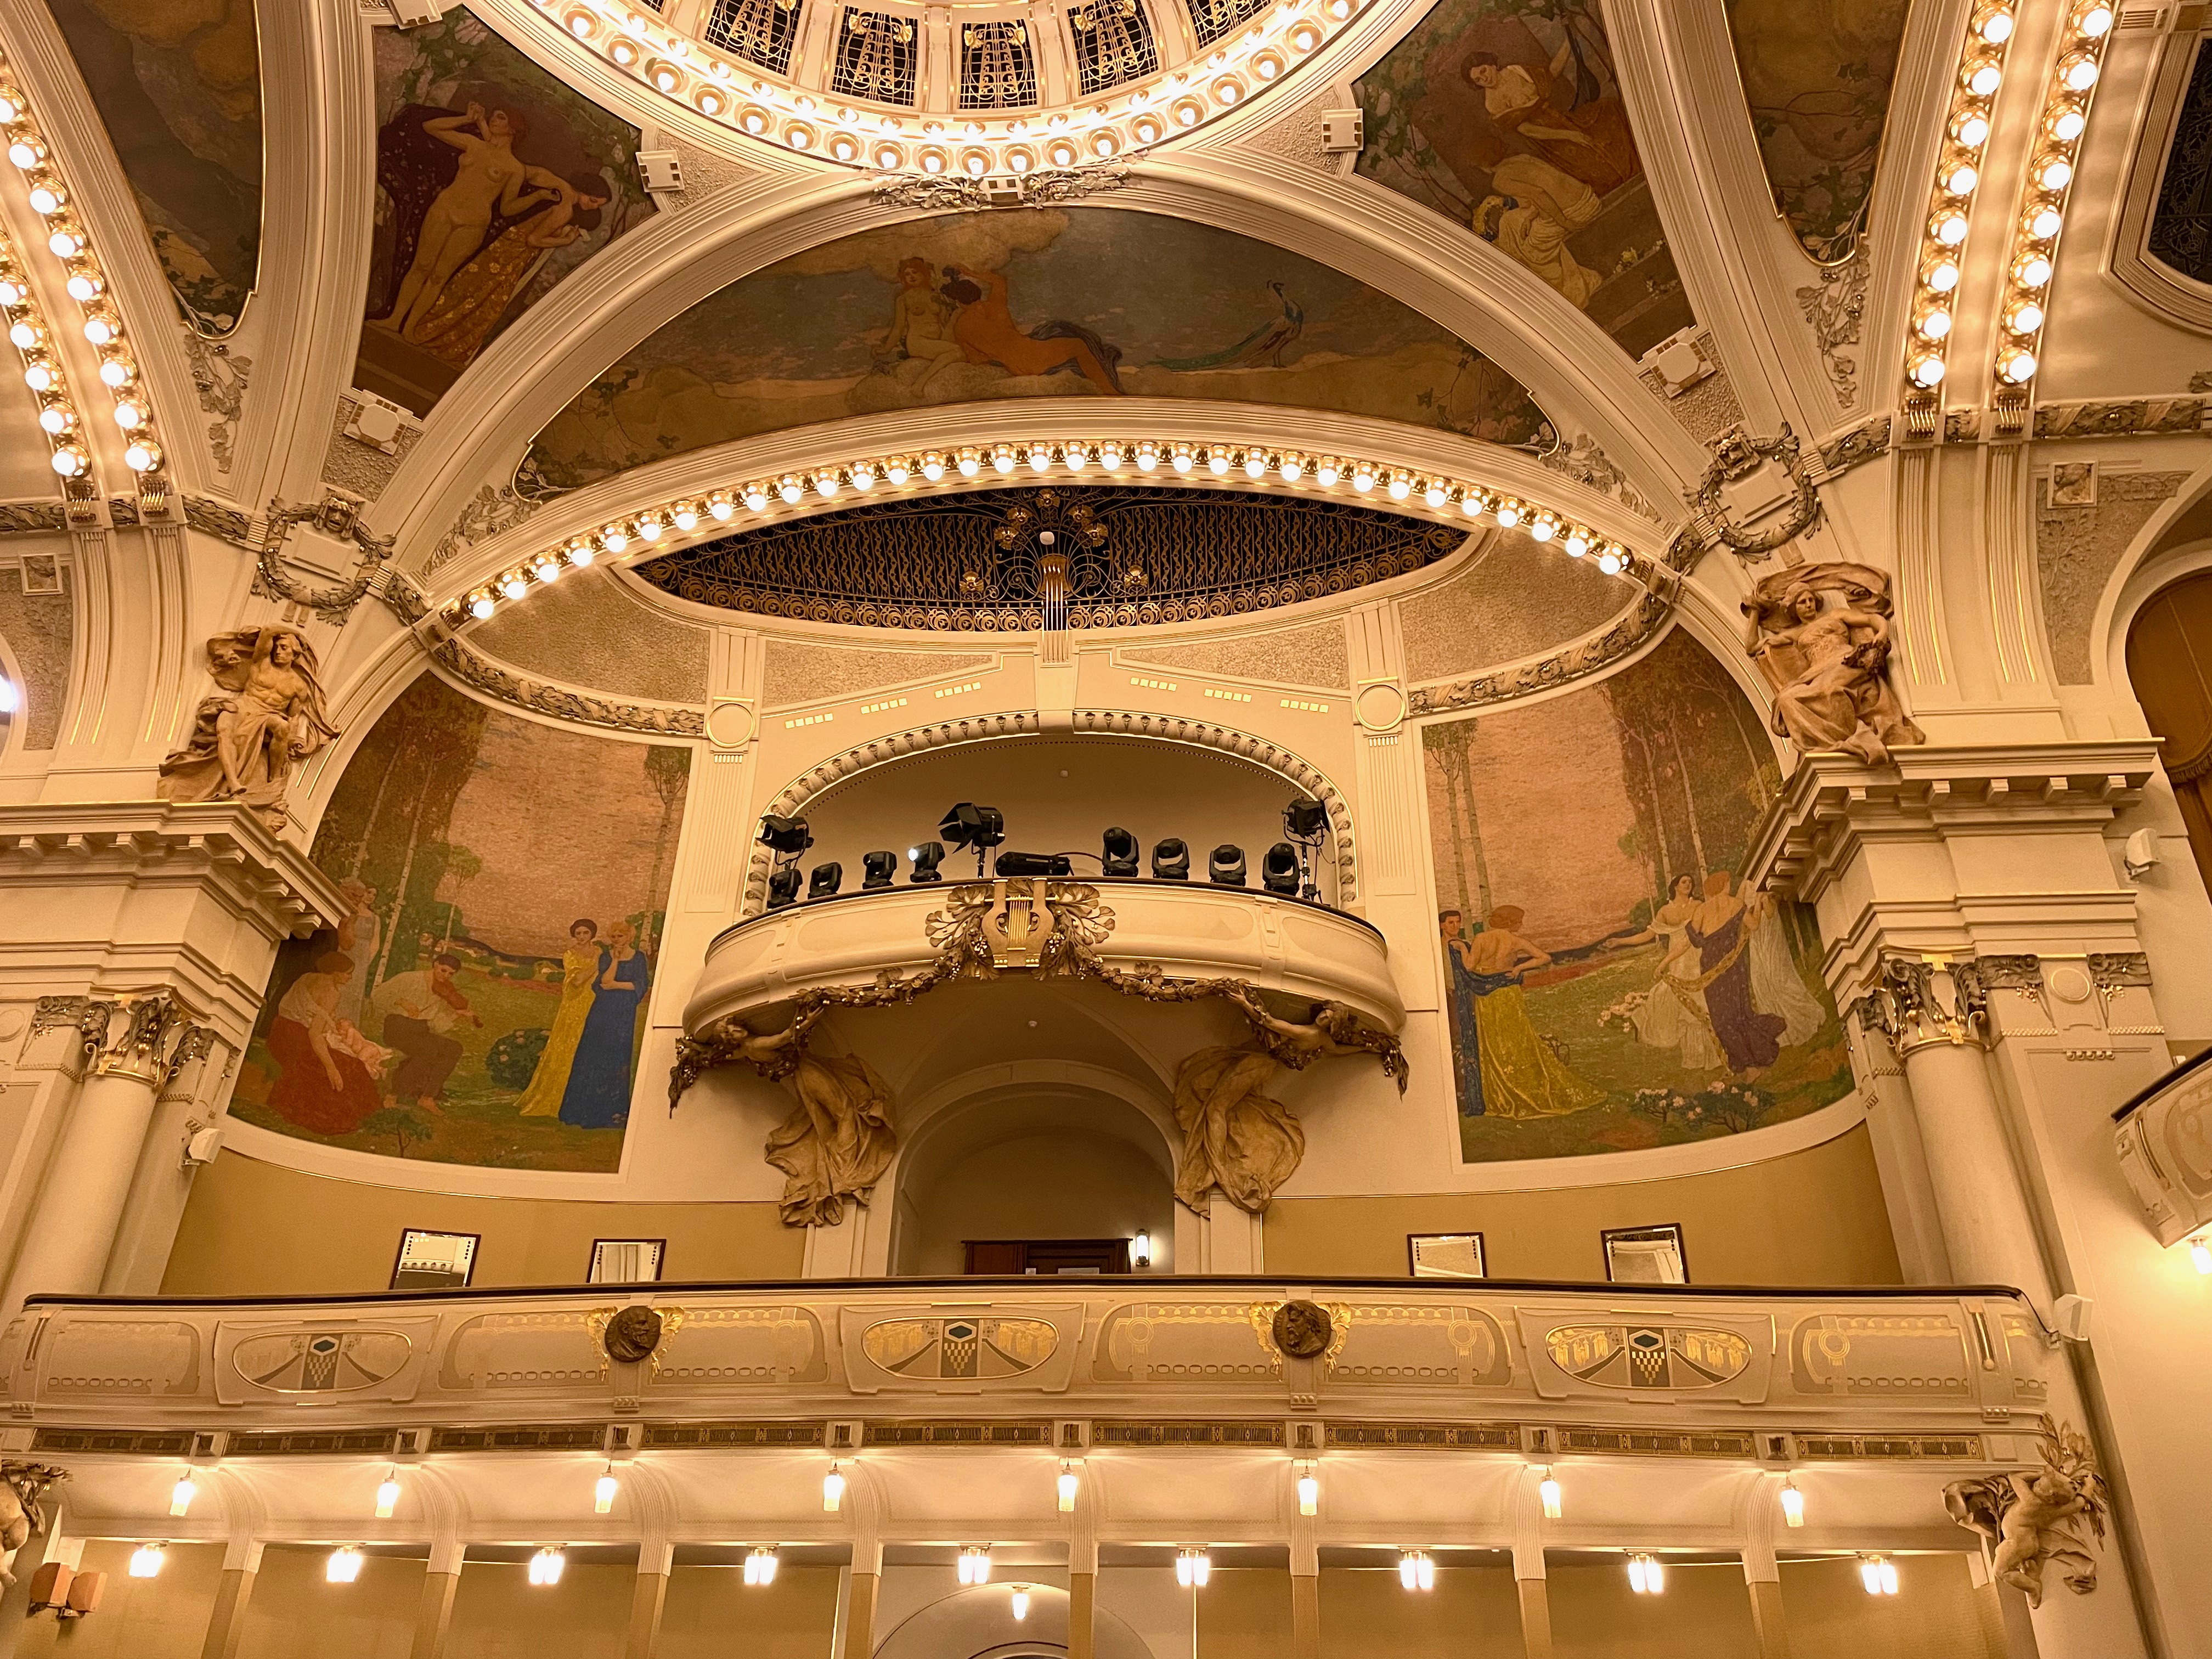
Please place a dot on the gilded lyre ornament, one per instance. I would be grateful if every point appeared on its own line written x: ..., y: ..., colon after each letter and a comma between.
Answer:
x: 2030, y: 1519
x: 267, y: 713
x: 1829, y: 664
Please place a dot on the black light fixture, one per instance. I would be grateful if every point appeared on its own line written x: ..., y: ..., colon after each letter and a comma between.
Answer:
x: 1171, y: 860
x: 783, y: 887
x: 1305, y: 819
x: 1225, y: 868
x: 1279, y: 870
x: 978, y: 827
x: 877, y: 870
x: 1033, y: 864
x: 825, y: 880
x: 787, y: 837
x: 925, y: 859
x: 1119, y: 855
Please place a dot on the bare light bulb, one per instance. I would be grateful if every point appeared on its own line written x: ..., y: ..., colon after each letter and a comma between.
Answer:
x: 1309, y: 1493
x: 1548, y: 1490
x: 343, y: 1567
x: 1068, y: 1484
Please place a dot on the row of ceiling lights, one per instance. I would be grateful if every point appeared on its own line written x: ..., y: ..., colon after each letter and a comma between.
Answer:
x: 2041, y: 218
x: 70, y: 244
x: 975, y: 145
x: 1255, y: 464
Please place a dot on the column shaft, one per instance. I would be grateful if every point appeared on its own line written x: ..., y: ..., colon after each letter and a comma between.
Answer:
x: 858, y: 1638
x: 1766, y: 1619
x: 646, y: 1602
x: 434, y: 1616
x: 1082, y: 1605
x: 1305, y: 1615
x: 1987, y: 1231
x: 227, y: 1623
x: 1536, y: 1616
x: 80, y: 1204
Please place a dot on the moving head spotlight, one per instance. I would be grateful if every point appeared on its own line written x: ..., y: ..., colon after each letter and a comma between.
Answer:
x: 788, y: 837
x: 1279, y: 872
x: 1119, y: 856
x: 925, y: 859
x: 1033, y: 864
x: 783, y: 887
x: 1171, y: 860
x: 877, y: 870
x: 1225, y: 868
x: 825, y: 880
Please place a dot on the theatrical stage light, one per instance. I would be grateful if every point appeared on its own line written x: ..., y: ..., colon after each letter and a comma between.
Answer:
x: 925, y: 859
x: 1118, y: 854
x: 783, y: 887
x: 1279, y: 870
x: 972, y: 826
x: 825, y: 879
x: 1225, y: 867
x: 877, y: 870
x: 788, y: 836
x: 1171, y: 860
x: 1033, y: 864
x: 1306, y: 820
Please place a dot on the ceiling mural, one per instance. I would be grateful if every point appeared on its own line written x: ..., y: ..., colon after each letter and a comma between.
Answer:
x: 1506, y: 116
x: 1817, y: 77
x: 978, y: 561
x: 178, y: 88
x: 494, y: 181
x: 1083, y: 301
x: 1612, y: 986
x: 485, y: 1001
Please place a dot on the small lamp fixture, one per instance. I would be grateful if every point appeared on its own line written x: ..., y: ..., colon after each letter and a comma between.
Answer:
x: 1279, y: 870
x: 1646, y: 1575
x: 1193, y: 1569
x: 1069, y: 1483
x: 2200, y: 1252
x: 760, y: 1564
x: 787, y: 837
x: 1417, y: 1570
x: 1793, y: 1503
x: 387, y: 1496
x: 825, y: 879
x: 1140, y: 1249
x: 1019, y: 1606
x: 1309, y: 1490
x: 783, y: 888
x: 1118, y: 855
x: 343, y: 1567
x: 1547, y: 1489
x: 146, y: 1561
x: 181, y: 1494
x: 545, y: 1565
x: 974, y: 1563
x: 833, y: 1490
x: 603, y: 1494
x: 1878, y: 1575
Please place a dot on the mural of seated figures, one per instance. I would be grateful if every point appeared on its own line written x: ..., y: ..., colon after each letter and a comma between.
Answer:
x: 1610, y: 985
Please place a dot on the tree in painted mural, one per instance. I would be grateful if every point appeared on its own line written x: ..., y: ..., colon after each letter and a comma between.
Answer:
x: 494, y: 182
x: 1609, y: 984
x: 1507, y: 117
x: 483, y: 1002
x: 178, y: 88
x: 970, y: 308
x: 1816, y: 75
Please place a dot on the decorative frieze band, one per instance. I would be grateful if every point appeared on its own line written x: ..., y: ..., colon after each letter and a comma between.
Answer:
x: 1918, y: 1001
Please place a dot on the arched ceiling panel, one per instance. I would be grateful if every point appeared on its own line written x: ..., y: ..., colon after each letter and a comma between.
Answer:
x: 1507, y: 115
x: 969, y: 307
x: 1817, y: 79
x: 495, y: 180
x: 178, y: 84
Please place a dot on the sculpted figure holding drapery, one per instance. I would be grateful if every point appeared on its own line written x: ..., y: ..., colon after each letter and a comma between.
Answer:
x: 838, y: 1143
x: 268, y: 712
x: 1829, y: 662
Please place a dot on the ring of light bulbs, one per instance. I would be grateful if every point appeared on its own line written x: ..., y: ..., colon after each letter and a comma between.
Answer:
x: 2042, y: 211
x: 1241, y: 465
x: 746, y: 98
x: 70, y: 244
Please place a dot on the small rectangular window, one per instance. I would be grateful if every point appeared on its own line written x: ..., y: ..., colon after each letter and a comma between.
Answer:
x: 627, y: 1260
x: 762, y: 31
x: 434, y: 1261
x: 1113, y: 44
x: 998, y: 70
x: 875, y: 58
x: 1645, y: 1255
x: 1446, y: 1255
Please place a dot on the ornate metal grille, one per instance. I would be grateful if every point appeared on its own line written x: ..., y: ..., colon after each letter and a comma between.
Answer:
x: 998, y: 70
x: 991, y: 561
x: 2181, y: 225
x: 875, y: 58
x: 1214, y: 18
x: 762, y: 32
x: 1113, y: 44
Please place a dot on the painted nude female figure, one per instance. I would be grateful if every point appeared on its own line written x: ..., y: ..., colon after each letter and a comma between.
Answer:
x: 489, y: 181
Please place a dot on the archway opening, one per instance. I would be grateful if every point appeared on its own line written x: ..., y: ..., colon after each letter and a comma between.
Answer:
x: 2170, y: 666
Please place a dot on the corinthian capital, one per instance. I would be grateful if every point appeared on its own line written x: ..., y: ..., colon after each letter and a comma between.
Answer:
x: 158, y: 1038
x: 1917, y: 1001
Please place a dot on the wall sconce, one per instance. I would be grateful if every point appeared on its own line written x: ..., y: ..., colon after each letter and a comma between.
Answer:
x: 1141, y: 1250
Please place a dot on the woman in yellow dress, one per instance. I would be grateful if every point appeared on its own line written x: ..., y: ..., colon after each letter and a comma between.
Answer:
x: 1521, y: 1075
x: 580, y: 967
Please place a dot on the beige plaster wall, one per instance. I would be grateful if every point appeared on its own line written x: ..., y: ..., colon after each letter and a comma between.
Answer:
x: 164, y: 1616
x: 1368, y: 1614
x: 1705, y: 1610
x: 1067, y: 1185
x: 294, y: 1613
x: 1810, y: 1217
x: 498, y: 1613
x: 712, y: 1613
x: 260, y: 1229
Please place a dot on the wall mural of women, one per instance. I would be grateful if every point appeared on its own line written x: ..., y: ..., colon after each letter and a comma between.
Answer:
x: 580, y: 973
x: 598, y: 1095
x: 1620, y: 992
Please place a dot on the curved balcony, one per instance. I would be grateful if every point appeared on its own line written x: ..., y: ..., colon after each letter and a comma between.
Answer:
x: 1192, y: 931
x: 2165, y: 1151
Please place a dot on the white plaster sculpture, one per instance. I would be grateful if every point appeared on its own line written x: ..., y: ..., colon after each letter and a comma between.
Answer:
x: 268, y: 713
x: 1828, y: 663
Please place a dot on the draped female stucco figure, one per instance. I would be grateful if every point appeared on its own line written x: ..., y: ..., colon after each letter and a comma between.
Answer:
x: 268, y: 713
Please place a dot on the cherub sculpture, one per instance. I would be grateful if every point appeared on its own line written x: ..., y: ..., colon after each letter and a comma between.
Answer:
x: 268, y: 712
x: 2032, y: 1518
x: 21, y: 1487
x: 1828, y: 665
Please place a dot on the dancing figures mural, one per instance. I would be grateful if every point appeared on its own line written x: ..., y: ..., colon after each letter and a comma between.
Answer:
x: 495, y: 180
x: 1507, y: 117
x: 484, y: 1001
x: 1610, y: 984
x: 1079, y: 301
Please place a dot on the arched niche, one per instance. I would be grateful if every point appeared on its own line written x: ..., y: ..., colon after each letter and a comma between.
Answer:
x: 2169, y: 656
x: 979, y: 1624
x: 1042, y: 1156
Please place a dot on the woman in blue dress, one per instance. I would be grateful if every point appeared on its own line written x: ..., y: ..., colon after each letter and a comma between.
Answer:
x: 598, y: 1095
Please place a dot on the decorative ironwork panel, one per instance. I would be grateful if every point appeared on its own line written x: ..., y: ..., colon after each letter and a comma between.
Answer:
x: 1214, y: 18
x: 2181, y: 225
x: 998, y: 69
x: 876, y: 58
x: 989, y: 563
x: 762, y: 32
x: 1113, y: 44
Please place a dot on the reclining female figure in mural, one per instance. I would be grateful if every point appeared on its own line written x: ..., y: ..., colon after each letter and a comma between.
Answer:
x: 1519, y: 1074
x: 488, y: 183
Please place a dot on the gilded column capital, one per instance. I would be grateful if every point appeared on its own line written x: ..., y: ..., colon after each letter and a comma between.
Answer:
x: 159, y: 1039
x: 1918, y: 1002
x: 88, y: 1017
